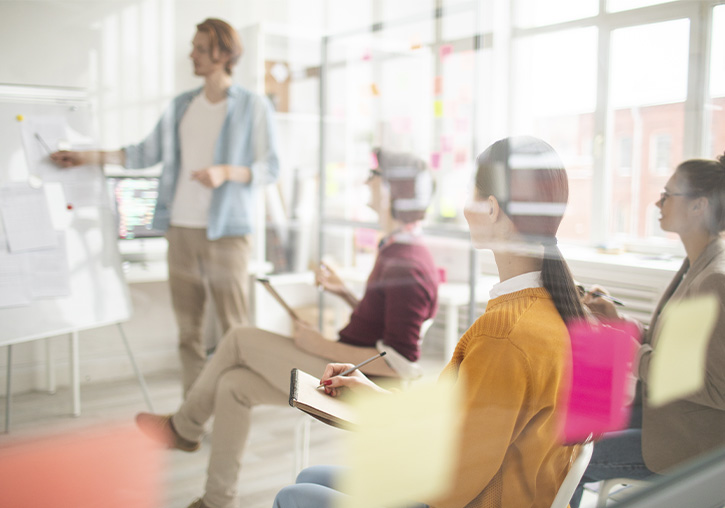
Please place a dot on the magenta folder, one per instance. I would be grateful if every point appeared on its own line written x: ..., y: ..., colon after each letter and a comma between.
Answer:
x: 598, y: 396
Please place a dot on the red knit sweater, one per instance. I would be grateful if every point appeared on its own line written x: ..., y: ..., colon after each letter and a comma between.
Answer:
x: 401, y: 293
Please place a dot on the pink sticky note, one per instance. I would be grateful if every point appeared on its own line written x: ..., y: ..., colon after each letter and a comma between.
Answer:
x: 435, y: 160
x: 373, y: 160
x: 597, y: 399
x: 461, y: 156
x: 446, y: 144
x: 111, y: 467
x: 367, y: 55
x: 366, y: 238
x: 445, y: 50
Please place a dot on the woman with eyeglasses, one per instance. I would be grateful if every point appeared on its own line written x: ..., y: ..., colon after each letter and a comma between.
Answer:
x: 511, y: 364
x: 692, y: 206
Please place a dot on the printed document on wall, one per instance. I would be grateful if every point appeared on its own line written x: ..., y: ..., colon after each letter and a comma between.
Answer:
x: 26, y: 217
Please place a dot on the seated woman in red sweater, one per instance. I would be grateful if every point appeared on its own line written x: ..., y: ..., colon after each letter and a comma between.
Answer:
x: 252, y: 366
x: 512, y: 361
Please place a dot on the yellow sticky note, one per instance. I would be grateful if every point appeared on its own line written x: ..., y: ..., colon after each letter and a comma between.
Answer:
x: 437, y: 108
x: 405, y: 448
x: 677, y: 368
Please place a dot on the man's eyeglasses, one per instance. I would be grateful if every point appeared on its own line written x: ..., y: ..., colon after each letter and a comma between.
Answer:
x: 664, y: 195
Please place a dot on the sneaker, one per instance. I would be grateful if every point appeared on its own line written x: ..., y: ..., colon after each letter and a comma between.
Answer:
x: 198, y: 503
x: 160, y: 428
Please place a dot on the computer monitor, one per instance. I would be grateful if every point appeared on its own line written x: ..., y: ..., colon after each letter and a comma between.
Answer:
x: 134, y: 198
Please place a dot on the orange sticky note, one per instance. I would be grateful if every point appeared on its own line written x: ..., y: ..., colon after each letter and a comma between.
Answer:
x: 374, y: 89
x: 438, y: 85
x: 113, y: 467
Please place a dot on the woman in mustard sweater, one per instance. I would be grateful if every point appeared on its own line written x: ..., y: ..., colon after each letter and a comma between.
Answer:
x: 513, y: 360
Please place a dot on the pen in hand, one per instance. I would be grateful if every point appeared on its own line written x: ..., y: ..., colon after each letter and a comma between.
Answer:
x: 353, y: 369
x: 612, y: 299
x: 43, y: 143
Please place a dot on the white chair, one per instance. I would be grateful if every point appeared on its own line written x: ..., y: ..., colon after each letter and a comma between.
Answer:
x: 568, y: 486
x: 302, y: 428
x: 606, y: 486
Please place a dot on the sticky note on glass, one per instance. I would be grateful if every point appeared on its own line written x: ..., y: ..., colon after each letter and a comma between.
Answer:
x: 435, y: 160
x: 438, y: 108
x: 597, y: 400
x: 405, y: 449
x: 677, y: 368
x: 438, y: 85
x: 111, y: 467
x: 445, y: 50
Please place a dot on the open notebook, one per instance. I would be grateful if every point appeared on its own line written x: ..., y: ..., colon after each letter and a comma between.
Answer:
x: 305, y: 396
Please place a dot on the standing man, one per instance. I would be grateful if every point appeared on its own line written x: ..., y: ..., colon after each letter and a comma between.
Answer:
x: 217, y: 145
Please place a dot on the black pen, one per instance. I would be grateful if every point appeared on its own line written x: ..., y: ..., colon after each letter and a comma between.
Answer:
x: 42, y: 142
x: 612, y: 299
x: 353, y: 369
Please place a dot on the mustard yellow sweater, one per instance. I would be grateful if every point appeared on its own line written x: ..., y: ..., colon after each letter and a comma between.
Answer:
x: 511, y: 362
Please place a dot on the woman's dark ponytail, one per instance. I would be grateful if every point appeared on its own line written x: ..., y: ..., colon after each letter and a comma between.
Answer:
x: 559, y: 282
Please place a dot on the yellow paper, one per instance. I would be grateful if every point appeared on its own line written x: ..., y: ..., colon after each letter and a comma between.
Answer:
x: 438, y: 108
x: 405, y: 448
x: 677, y: 368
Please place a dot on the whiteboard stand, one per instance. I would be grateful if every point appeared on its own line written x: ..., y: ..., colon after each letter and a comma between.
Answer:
x: 139, y: 374
x: 74, y: 374
x: 50, y: 380
x: 8, y: 384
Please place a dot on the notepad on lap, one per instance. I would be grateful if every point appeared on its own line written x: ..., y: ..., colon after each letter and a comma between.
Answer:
x: 278, y: 297
x: 305, y: 396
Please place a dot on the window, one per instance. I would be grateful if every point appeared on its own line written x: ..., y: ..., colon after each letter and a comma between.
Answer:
x: 624, y: 5
x: 531, y: 13
x: 660, y: 159
x: 647, y: 92
x: 624, y: 156
x: 716, y: 108
x: 554, y: 98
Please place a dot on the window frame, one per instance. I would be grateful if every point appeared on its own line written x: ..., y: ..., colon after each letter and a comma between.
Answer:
x: 697, y: 116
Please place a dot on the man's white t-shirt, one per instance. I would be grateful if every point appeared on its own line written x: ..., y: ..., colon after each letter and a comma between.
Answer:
x: 198, y: 133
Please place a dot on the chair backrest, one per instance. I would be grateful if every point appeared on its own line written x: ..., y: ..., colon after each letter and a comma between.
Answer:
x: 566, y: 490
x: 424, y: 327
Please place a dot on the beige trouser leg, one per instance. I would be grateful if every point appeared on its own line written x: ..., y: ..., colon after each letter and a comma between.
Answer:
x: 192, y: 259
x: 250, y: 367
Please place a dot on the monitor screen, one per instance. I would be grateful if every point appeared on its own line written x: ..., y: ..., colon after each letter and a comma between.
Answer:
x: 135, y: 199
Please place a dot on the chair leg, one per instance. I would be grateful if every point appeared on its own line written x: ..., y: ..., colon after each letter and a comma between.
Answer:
x: 302, y: 445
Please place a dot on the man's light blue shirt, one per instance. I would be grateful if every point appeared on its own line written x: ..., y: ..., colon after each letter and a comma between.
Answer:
x: 247, y: 139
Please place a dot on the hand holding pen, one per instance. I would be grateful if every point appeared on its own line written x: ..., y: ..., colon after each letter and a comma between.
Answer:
x: 601, y: 303
x: 347, y: 375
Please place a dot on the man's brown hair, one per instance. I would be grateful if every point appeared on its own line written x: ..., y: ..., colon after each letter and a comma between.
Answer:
x: 224, y: 38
